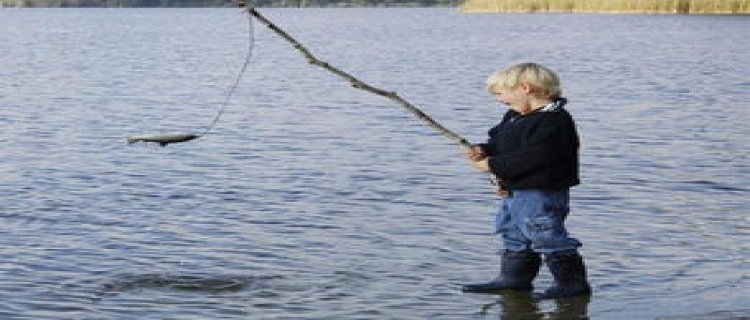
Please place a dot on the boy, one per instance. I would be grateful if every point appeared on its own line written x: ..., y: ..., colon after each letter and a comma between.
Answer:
x: 533, y: 155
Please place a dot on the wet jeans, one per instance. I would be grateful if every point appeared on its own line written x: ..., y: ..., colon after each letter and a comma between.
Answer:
x: 534, y: 219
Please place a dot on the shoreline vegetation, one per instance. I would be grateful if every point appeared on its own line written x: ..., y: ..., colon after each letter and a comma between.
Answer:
x: 610, y: 6
x: 740, y: 7
x: 222, y: 3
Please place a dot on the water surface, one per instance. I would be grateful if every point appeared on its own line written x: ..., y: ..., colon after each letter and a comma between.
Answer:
x: 313, y: 200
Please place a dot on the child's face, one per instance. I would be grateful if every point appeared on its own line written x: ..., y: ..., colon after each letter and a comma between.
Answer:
x: 517, y: 98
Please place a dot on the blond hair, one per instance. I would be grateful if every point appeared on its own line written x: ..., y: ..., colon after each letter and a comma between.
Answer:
x: 544, y: 81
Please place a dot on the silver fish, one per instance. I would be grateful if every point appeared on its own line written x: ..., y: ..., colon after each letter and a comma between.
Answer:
x: 162, y: 139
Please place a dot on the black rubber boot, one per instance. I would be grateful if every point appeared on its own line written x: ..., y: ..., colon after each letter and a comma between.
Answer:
x: 570, y: 276
x: 517, y: 271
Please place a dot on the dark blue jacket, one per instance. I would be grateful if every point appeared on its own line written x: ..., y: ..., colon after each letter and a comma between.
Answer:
x: 538, y: 150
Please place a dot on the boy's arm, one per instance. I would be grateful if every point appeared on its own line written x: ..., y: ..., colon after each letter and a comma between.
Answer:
x: 479, y: 153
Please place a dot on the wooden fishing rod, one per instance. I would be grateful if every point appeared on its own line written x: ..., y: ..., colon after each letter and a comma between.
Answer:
x: 366, y: 87
x: 356, y: 82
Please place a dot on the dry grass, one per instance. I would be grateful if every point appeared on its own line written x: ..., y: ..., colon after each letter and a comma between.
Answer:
x: 611, y: 6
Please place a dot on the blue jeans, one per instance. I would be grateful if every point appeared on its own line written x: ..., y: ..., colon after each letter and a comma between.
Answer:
x: 534, y: 220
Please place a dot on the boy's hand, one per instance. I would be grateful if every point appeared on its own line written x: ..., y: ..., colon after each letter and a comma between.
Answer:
x: 475, y: 153
x: 481, y: 165
x: 477, y: 157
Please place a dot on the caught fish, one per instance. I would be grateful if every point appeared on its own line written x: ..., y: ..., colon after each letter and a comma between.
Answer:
x: 162, y: 139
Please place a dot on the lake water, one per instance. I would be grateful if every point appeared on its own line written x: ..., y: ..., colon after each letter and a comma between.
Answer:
x: 314, y: 200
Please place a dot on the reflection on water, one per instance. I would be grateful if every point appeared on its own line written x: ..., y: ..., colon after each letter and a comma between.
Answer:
x: 198, y: 283
x: 521, y: 306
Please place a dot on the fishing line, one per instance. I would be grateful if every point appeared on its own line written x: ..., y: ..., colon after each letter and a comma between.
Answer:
x: 251, y: 43
x: 165, y: 139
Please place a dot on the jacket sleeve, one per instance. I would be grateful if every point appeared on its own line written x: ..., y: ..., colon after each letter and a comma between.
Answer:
x: 486, y: 148
x: 548, y: 141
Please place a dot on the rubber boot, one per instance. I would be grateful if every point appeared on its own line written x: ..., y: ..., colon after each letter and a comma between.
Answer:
x: 569, y: 273
x: 517, y: 271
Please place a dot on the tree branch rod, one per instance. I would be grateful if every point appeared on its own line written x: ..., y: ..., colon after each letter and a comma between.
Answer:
x: 357, y: 83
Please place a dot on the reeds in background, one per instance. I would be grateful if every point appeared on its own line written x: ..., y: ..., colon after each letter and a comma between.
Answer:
x: 611, y: 6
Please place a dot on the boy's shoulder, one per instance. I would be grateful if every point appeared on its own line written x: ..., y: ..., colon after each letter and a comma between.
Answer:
x: 559, y: 115
x: 553, y: 119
